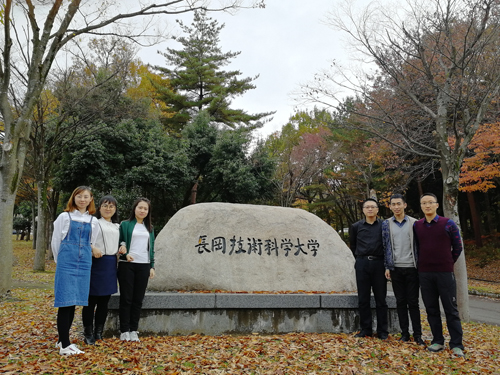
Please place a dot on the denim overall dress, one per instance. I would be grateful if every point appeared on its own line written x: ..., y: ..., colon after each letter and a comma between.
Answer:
x: 72, y: 280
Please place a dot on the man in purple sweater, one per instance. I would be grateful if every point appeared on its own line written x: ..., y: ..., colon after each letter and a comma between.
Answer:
x: 439, y: 245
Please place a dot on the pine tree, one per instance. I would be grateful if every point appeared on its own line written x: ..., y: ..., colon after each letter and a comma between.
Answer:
x: 197, y: 81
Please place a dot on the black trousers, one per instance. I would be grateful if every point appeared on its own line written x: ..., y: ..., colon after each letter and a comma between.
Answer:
x: 65, y: 316
x: 133, y: 279
x: 436, y: 286
x: 96, y: 312
x: 406, y: 286
x: 370, y: 275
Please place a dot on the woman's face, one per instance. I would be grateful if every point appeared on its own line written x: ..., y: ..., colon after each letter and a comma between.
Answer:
x: 107, y: 210
x: 141, y: 210
x: 82, y: 200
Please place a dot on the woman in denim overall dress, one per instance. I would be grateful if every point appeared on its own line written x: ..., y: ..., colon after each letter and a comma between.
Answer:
x: 74, y: 232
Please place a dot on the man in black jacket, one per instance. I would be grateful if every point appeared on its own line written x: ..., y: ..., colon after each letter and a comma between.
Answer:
x: 365, y: 237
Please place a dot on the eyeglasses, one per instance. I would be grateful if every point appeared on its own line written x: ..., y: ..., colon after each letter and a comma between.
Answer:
x: 370, y: 207
x: 110, y: 206
x: 427, y: 203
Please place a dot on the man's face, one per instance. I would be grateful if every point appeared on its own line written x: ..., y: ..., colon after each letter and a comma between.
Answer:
x: 370, y: 209
x: 429, y: 205
x: 397, y: 206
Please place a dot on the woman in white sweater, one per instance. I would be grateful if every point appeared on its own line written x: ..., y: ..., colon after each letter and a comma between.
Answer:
x: 103, y: 279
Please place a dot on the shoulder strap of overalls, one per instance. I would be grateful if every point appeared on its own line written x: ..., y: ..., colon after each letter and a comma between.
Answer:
x: 103, y: 238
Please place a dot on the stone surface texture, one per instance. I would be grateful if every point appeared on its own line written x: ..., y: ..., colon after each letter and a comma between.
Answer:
x: 166, y: 313
x: 190, y: 255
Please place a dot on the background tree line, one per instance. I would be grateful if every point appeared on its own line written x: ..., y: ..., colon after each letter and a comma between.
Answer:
x: 425, y: 120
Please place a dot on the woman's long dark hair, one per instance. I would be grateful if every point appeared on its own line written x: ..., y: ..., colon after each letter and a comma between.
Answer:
x: 147, y: 219
x: 108, y: 199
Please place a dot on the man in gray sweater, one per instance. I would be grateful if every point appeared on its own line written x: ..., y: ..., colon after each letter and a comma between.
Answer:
x: 401, y: 267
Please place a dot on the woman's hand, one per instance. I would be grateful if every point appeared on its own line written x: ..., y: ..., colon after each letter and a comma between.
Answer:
x: 96, y: 253
x: 122, y: 250
x: 130, y: 258
x: 152, y: 273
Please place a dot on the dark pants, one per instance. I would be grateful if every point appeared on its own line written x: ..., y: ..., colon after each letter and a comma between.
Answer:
x: 405, y: 286
x: 99, y: 304
x: 133, y: 279
x: 370, y: 275
x: 65, y: 316
x: 441, y: 285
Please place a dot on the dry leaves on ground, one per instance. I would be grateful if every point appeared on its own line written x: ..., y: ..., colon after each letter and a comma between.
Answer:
x: 490, y: 271
x: 29, y: 334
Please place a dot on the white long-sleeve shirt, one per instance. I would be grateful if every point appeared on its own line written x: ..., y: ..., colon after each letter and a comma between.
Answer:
x: 109, y: 237
x: 61, y: 228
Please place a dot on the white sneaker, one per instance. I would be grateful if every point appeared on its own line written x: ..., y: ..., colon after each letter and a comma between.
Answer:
x: 125, y: 336
x: 134, y: 336
x: 70, y: 350
x: 59, y: 345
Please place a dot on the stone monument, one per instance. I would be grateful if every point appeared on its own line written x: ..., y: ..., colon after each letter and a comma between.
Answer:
x: 238, y: 247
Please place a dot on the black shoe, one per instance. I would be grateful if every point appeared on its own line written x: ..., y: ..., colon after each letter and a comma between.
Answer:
x: 404, y: 337
x: 98, y: 332
x: 363, y: 334
x: 382, y: 336
x: 419, y: 341
x: 88, y: 335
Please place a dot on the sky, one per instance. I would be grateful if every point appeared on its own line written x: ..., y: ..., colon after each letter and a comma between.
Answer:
x: 285, y: 44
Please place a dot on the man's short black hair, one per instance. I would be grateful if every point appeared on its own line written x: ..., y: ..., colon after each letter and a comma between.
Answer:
x: 368, y: 200
x: 429, y: 195
x: 398, y: 196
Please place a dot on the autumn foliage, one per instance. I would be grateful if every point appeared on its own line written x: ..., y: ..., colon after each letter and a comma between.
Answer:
x: 479, y: 171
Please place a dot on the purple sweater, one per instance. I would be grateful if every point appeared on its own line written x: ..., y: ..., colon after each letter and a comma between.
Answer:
x: 439, y: 244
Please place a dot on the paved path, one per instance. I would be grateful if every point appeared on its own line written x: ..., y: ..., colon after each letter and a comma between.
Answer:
x: 481, y: 309
x: 484, y: 310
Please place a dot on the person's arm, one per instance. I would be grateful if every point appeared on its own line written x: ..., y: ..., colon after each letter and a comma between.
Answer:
x: 61, y: 227
x: 386, y: 243
x: 353, y: 234
x: 152, y: 248
x: 122, y: 241
x: 415, y: 243
x: 456, y: 239
x: 96, y: 232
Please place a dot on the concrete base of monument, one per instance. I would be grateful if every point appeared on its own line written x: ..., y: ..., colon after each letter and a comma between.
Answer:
x: 234, y: 313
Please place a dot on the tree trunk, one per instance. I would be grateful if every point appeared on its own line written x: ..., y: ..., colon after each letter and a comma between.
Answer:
x: 34, y: 220
x: 476, y: 223
x: 41, y: 235
x: 6, y: 210
x: 450, y: 207
x: 490, y: 223
x: 11, y: 167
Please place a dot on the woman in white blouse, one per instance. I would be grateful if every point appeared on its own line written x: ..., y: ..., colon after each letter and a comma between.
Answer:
x: 103, y: 279
x: 75, y: 230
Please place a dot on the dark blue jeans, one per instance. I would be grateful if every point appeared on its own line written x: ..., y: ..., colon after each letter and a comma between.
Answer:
x: 406, y: 286
x: 436, y: 286
x: 370, y: 275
